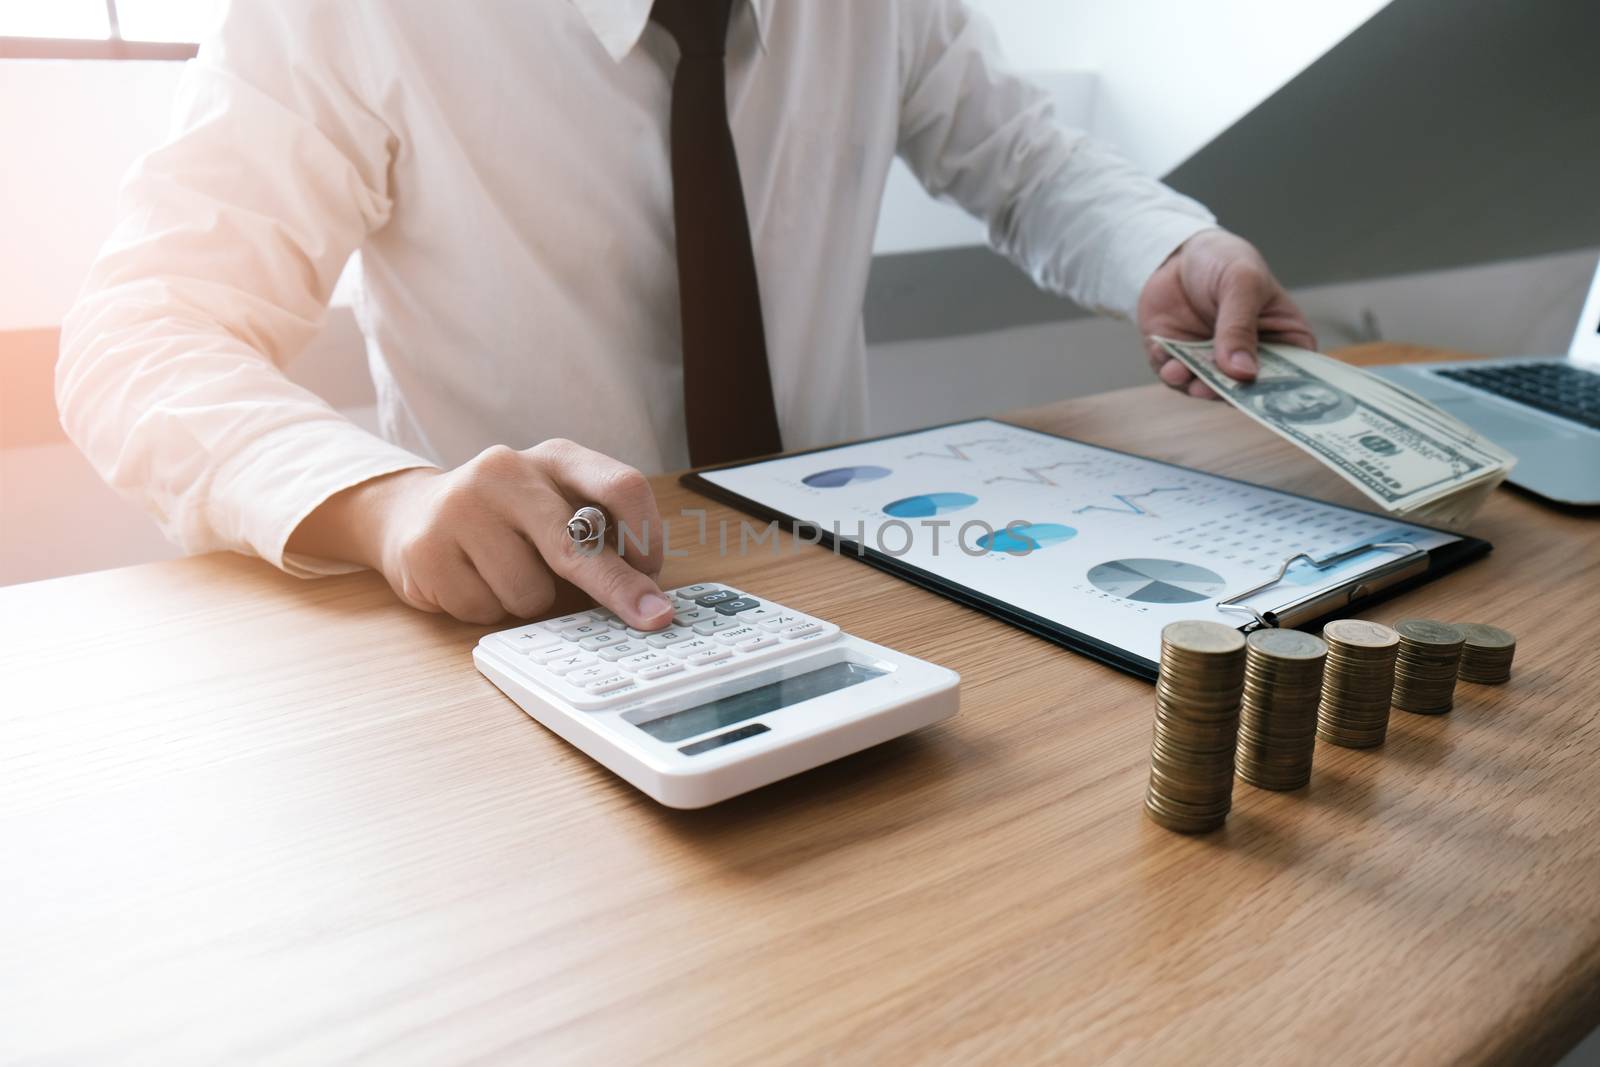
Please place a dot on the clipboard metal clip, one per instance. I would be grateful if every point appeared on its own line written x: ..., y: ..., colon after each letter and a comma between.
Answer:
x: 1413, y: 560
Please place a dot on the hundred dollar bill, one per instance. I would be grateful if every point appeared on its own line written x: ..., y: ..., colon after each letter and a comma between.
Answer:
x: 1402, y: 452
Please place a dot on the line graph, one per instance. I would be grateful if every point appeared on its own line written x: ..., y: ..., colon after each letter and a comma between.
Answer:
x: 1128, y: 505
x: 1037, y: 475
x: 958, y: 450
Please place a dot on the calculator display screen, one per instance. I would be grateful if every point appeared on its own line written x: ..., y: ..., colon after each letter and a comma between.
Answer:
x: 725, y: 711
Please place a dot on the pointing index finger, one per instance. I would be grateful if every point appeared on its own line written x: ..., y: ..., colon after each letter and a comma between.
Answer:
x: 585, y: 476
x: 541, y: 514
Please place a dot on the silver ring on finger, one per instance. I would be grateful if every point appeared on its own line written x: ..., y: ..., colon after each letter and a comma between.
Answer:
x: 587, y: 526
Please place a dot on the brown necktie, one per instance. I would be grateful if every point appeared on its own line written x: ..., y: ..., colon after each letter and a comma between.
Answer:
x: 727, y: 389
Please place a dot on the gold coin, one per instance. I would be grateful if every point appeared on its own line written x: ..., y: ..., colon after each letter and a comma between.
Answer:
x: 1486, y: 653
x: 1429, y: 632
x: 1483, y: 636
x: 1203, y: 638
x: 1278, y: 714
x: 1287, y: 644
x: 1360, y: 633
x: 1195, y: 734
x: 1358, y: 682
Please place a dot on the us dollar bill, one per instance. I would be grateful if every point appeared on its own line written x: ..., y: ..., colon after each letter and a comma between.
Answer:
x: 1402, y: 452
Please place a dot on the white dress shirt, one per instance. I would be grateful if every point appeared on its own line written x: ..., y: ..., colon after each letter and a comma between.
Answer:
x: 502, y: 167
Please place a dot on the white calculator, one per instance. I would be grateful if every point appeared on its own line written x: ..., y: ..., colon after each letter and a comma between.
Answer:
x: 737, y: 693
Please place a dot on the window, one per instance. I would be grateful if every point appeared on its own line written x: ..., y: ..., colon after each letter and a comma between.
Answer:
x: 105, y: 29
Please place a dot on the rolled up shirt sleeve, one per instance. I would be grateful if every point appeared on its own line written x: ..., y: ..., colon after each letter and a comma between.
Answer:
x: 230, y: 239
x: 1078, y: 218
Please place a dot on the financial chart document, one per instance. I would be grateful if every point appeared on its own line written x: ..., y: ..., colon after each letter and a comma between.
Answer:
x: 1110, y: 545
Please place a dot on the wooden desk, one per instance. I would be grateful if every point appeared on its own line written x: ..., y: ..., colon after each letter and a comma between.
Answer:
x: 248, y: 817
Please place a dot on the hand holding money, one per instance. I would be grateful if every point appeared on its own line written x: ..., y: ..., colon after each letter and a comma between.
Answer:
x: 1216, y: 285
x: 1411, y: 458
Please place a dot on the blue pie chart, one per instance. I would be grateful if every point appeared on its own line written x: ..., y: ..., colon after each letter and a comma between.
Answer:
x: 1156, y: 581
x: 1027, y: 537
x: 842, y: 476
x: 929, y: 505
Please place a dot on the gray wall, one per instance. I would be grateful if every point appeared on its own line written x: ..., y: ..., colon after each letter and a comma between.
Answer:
x: 1440, y: 134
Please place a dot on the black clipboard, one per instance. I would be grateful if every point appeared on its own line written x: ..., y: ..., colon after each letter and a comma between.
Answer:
x: 1362, y: 591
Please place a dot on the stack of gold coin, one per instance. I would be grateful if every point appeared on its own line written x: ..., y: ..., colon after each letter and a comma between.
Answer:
x: 1197, y: 722
x: 1425, y: 672
x: 1357, y: 683
x: 1278, y: 715
x: 1486, y: 655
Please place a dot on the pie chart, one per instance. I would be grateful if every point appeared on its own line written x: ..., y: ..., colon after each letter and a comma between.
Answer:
x: 928, y: 505
x: 1022, y: 538
x: 842, y: 476
x: 1156, y: 581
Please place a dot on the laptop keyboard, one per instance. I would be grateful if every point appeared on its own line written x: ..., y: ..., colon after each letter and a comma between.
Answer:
x: 1558, y: 388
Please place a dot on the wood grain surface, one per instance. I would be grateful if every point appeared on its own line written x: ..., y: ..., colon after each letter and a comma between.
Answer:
x: 1379, y: 352
x: 249, y: 818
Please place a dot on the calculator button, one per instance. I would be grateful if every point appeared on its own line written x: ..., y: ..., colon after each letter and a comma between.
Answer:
x: 708, y: 627
x: 756, y: 643
x: 659, y: 670
x: 610, y: 683
x: 637, y: 635
x: 549, y: 651
x: 799, y: 629
x: 707, y: 656
x: 566, y: 622
x: 781, y: 620
x: 583, y: 676
x: 690, y: 592
x: 736, y: 605
x: 601, y: 640
x: 622, y: 650
x: 756, y: 616
x: 663, y: 638
x: 640, y: 660
x: 690, y: 616
x: 711, y: 600
x: 737, y: 634
x: 570, y: 662
x: 588, y: 629
x: 528, y: 639
x: 685, y: 649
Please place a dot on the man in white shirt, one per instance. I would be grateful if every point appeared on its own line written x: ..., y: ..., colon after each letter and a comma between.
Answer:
x: 558, y: 285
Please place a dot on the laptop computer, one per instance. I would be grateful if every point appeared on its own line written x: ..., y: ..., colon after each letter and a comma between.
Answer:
x: 1545, y: 410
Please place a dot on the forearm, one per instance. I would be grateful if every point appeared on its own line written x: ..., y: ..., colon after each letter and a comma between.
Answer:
x: 1095, y: 228
x: 351, y: 525
x: 1082, y: 221
x: 180, y: 415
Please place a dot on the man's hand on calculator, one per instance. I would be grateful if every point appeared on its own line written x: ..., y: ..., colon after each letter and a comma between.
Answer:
x: 489, y: 539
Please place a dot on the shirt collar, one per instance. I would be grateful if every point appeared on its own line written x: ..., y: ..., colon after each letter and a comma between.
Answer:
x: 620, y: 23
